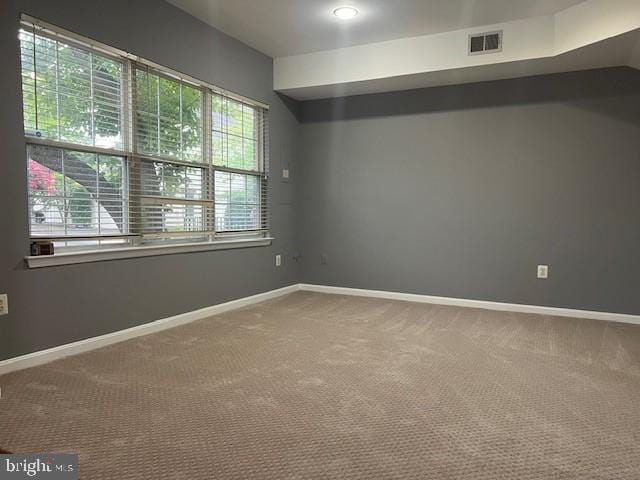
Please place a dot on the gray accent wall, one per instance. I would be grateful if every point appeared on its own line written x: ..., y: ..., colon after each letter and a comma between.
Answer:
x: 456, y: 191
x: 58, y: 305
x: 462, y: 191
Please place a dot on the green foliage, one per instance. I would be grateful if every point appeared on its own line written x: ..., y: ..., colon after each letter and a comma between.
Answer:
x: 234, y: 134
x: 168, y: 116
x: 70, y: 94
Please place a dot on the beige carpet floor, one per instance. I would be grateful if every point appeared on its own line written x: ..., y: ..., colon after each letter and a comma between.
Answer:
x: 313, y: 386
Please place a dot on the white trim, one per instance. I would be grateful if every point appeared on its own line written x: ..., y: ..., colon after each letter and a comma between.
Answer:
x: 49, y: 142
x: 462, y: 302
x: 45, y: 356
x: 84, y: 256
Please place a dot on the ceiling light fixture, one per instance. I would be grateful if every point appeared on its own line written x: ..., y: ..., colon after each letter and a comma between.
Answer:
x: 345, y: 13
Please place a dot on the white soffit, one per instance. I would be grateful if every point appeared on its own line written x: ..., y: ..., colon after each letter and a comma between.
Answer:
x: 592, y: 34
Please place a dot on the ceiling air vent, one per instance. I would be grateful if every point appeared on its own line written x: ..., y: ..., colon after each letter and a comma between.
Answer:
x: 490, y: 42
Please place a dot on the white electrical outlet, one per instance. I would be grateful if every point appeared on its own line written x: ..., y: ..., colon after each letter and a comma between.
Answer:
x: 278, y: 260
x: 285, y: 173
x: 543, y: 272
x: 4, y: 304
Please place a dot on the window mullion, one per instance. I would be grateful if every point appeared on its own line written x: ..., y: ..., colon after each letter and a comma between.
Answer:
x: 133, y: 162
x: 35, y: 82
x: 57, y: 90
x: 157, y: 111
x: 128, y: 122
x: 97, y: 195
x: 181, y: 147
x: 127, y: 113
x: 92, y: 119
x: 207, y: 159
x: 64, y: 195
x: 127, y: 119
x: 126, y: 196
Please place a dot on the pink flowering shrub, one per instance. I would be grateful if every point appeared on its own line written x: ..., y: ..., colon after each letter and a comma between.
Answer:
x: 40, y: 178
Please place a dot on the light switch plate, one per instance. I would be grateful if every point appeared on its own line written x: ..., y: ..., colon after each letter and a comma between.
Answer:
x: 4, y: 304
x: 543, y: 272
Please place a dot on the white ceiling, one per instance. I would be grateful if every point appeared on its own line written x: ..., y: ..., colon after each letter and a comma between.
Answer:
x: 290, y: 27
x: 401, y: 44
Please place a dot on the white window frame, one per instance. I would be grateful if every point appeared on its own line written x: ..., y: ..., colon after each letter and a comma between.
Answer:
x: 136, y: 243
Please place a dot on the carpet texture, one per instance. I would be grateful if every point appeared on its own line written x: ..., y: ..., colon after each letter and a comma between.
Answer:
x: 314, y: 386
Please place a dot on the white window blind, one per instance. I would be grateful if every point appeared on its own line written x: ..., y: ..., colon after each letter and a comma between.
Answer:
x: 168, y: 117
x: 76, y: 194
x: 121, y: 149
x: 238, y: 132
x: 70, y: 94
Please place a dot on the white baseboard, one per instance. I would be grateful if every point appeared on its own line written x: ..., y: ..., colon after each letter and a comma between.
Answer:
x: 45, y: 356
x: 461, y: 302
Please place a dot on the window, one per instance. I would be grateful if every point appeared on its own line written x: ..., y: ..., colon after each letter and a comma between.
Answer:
x: 70, y: 94
x: 123, y: 151
x: 75, y: 194
x: 168, y: 117
x: 236, y: 159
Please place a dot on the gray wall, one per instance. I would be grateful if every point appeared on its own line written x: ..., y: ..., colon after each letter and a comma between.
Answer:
x: 461, y: 191
x: 456, y: 191
x: 53, y: 306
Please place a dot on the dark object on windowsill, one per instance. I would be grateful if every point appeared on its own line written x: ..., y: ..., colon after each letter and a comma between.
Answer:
x: 4, y: 452
x: 41, y: 248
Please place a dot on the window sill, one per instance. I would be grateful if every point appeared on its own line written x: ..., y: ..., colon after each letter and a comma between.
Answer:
x: 70, y: 258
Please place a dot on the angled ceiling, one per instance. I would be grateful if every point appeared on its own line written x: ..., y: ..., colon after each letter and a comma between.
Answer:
x: 402, y: 44
x: 281, y: 28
